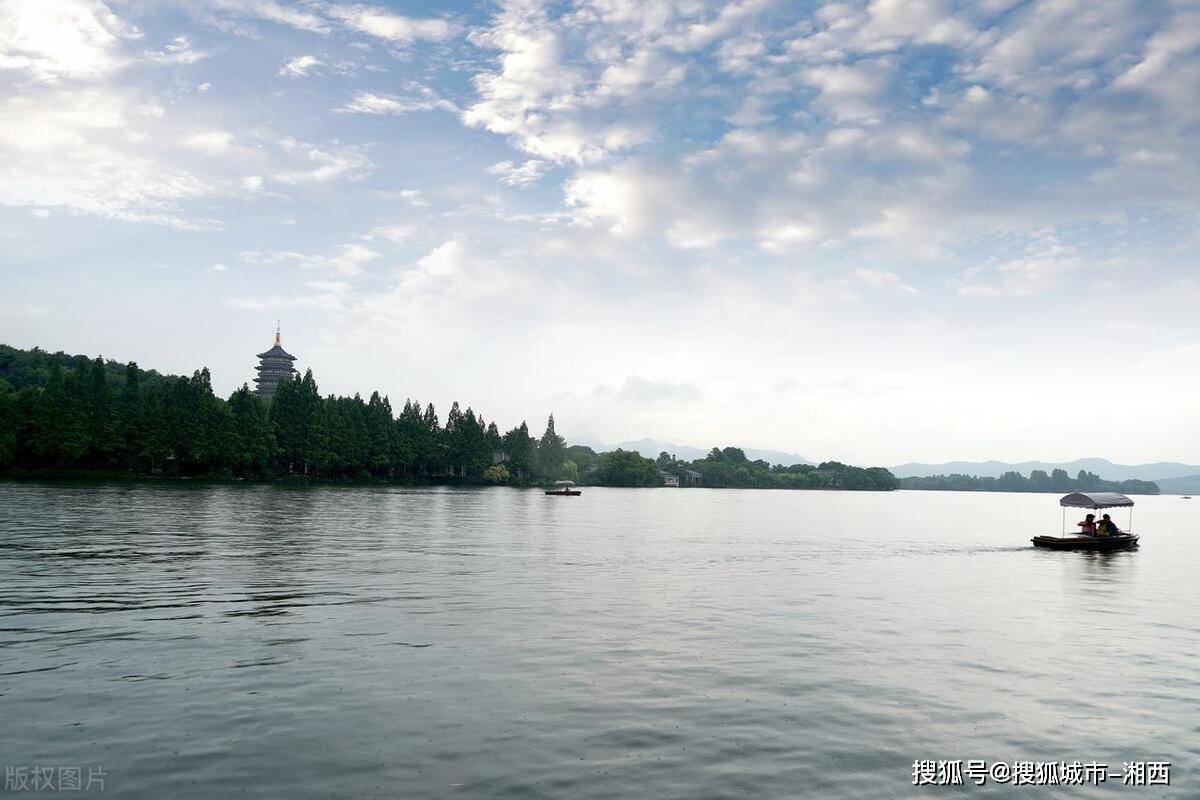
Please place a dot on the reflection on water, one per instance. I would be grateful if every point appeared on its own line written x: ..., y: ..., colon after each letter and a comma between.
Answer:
x: 204, y: 641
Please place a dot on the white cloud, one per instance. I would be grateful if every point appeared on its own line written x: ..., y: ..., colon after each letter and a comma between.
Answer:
x: 1043, y: 267
x: 267, y: 10
x: 55, y: 39
x: 443, y: 261
x: 210, y: 142
x: 218, y: 268
x: 513, y: 174
x: 349, y: 260
x: 392, y: 27
x: 548, y: 101
x: 851, y: 92
x: 300, y: 66
x: 884, y: 279
x: 321, y: 164
x: 80, y: 149
x: 422, y: 99
x: 178, y: 51
x: 393, y: 233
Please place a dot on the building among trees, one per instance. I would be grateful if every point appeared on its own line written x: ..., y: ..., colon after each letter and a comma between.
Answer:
x: 274, y: 366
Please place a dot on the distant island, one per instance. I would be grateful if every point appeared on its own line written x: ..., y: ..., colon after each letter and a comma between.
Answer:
x: 73, y: 416
x: 1057, y: 481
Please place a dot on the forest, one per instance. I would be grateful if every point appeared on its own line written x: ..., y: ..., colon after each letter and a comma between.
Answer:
x: 1058, y: 481
x: 64, y: 415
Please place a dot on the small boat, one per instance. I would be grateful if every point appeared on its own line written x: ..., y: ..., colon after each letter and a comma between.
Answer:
x: 1187, y: 497
x: 564, y: 489
x: 1084, y: 541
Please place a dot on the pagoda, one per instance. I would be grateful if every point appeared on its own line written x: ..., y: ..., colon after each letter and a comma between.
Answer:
x: 274, y: 366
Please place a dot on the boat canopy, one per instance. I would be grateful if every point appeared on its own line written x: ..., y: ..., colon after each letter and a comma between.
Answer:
x: 572, y: 483
x: 1095, y: 500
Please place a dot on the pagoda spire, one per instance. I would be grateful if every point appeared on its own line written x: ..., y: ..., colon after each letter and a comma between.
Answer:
x: 278, y: 340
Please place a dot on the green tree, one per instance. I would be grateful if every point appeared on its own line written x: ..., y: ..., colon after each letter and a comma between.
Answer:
x: 11, y: 423
x: 550, y: 452
x: 522, y: 452
x: 627, y: 468
x: 253, y: 446
x: 382, y: 437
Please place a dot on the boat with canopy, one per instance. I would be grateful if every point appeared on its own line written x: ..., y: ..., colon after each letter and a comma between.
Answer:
x: 564, y: 489
x: 1091, y: 540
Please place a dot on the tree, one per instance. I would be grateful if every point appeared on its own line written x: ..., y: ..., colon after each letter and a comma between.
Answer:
x: 496, y: 473
x: 104, y: 442
x: 550, y: 452
x: 411, y: 437
x: 522, y: 453
x: 130, y: 417
x: 381, y: 437
x: 10, y: 425
x: 1060, y: 480
x: 627, y: 468
x: 253, y: 441
x: 569, y: 471
x: 435, y: 457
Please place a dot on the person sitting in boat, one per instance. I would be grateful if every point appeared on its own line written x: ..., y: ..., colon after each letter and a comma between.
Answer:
x: 1088, y: 526
x: 1106, y: 527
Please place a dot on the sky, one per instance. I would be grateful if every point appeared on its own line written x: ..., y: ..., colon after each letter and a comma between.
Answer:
x: 875, y: 232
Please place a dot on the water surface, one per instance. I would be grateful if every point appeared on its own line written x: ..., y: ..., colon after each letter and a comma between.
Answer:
x: 200, y: 642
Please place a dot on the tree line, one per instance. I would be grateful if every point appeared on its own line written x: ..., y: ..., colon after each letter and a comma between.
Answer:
x: 729, y: 466
x: 63, y: 414
x: 1057, y: 481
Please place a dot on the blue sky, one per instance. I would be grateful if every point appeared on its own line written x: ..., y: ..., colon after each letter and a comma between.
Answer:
x: 875, y: 231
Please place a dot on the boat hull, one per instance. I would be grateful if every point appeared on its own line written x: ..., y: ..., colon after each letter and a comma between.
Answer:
x: 1123, y: 541
x: 571, y: 493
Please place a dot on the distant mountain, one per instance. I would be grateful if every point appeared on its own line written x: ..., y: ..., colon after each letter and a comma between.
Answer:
x: 1157, y: 472
x: 650, y: 448
x: 1189, y: 484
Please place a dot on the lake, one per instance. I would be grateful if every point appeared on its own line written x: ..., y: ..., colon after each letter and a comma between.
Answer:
x: 209, y: 641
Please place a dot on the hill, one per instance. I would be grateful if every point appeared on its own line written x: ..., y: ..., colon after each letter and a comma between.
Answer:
x: 1157, y: 471
x: 1189, y: 484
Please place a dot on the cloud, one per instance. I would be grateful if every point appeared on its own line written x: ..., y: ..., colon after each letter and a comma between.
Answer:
x: 884, y: 279
x: 321, y: 164
x: 654, y: 392
x: 300, y: 66
x: 79, y: 149
x: 548, y: 100
x: 391, y: 27
x: 56, y: 39
x: 178, y: 51
x: 210, y: 142
x: 518, y: 174
x: 349, y: 260
x: 422, y: 99
x: 393, y: 233
x: 1042, y: 267
x: 850, y: 92
x: 267, y: 10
